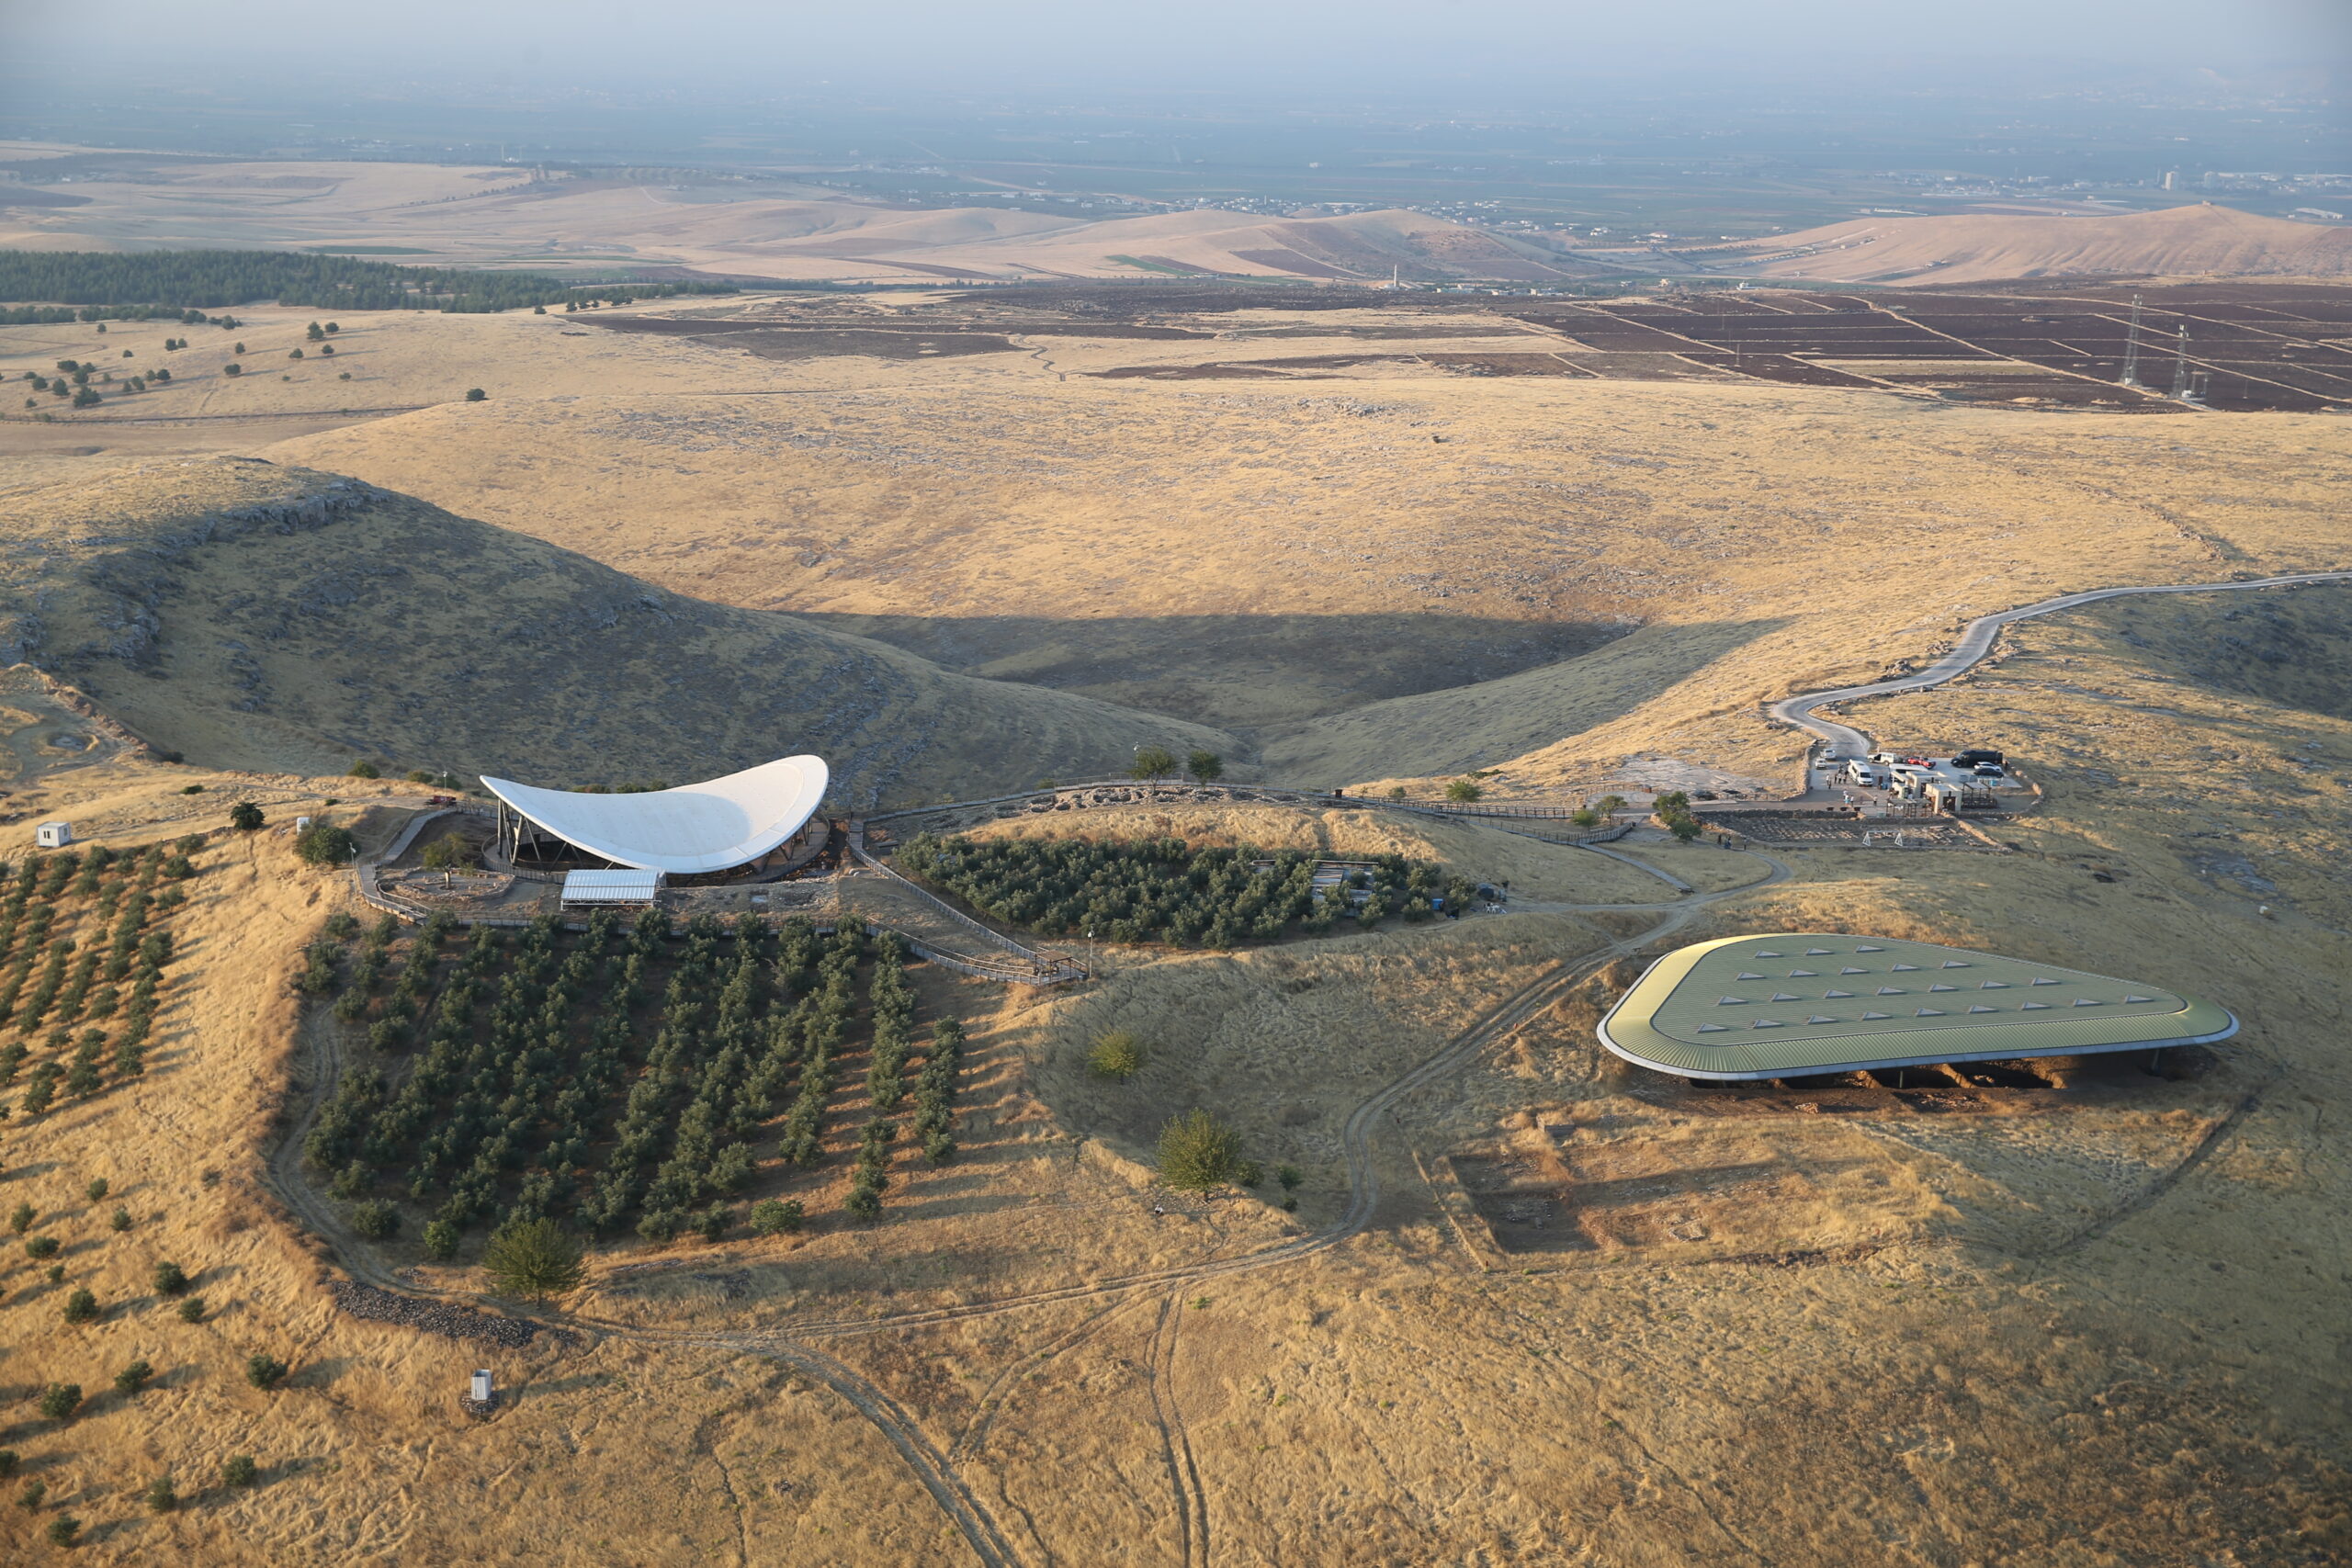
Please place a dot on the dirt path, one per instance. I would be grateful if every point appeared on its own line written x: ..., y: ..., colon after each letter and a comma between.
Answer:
x: 1975, y: 642
x: 323, y: 1059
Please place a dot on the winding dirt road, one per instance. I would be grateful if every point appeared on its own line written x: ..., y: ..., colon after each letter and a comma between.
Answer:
x: 1975, y: 641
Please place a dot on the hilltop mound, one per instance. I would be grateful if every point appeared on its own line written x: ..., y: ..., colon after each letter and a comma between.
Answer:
x: 256, y: 616
x: 2176, y: 241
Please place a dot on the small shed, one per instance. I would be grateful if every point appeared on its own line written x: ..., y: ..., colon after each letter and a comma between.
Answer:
x: 53, y: 835
x: 591, y: 889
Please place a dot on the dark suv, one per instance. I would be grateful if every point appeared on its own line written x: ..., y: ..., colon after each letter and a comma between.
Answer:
x: 1976, y: 758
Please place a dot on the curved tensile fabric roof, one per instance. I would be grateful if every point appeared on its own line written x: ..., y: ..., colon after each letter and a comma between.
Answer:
x: 714, y: 826
x: 1790, y: 1003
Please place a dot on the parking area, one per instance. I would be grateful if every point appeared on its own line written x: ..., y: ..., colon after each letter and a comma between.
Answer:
x: 1978, y: 779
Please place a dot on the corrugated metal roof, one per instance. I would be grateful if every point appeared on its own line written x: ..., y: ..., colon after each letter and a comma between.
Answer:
x: 1783, y: 1004
x: 611, y: 885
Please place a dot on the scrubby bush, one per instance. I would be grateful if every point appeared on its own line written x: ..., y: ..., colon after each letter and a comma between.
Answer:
x: 1206, y: 766
x: 245, y: 817
x: 134, y: 1378
x: 1118, y: 1054
x: 240, y: 1472
x: 162, y: 1496
x: 364, y: 768
x: 170, y: 1280
x: 9, y: 1464
x: 119, y: 1221
x: 65, y: 1530
x: 323, y: 843
x: 96, y: 1189
x: 1463, y: 791
x: 82, y: 1306
x: 1152, y: 762
x: 42, y: 1247
x: 374, y: 1219
x: 264, y: 1371
x: 771, y: 1216
x: 59, y: 1401
x: 1198, y: 1152
x: 192, y: 1309
x: 440, y: 1240
x: 20, y: 1218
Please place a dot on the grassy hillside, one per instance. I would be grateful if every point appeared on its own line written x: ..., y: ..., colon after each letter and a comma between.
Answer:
x: 264, y: 617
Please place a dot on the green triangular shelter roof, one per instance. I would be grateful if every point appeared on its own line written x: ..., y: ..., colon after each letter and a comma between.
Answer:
x: 1789, y: 1004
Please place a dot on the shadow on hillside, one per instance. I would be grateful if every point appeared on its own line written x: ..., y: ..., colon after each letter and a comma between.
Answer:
x: 1235, y: 670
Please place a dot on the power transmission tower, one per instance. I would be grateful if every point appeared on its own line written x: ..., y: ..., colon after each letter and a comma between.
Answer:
x: 2180, y: 365
x: 2132, y: 347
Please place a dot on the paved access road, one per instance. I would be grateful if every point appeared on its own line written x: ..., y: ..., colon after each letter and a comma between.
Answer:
x: 1975, y: 642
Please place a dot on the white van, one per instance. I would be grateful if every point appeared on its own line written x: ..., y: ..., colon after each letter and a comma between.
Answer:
x: 1863, y: 775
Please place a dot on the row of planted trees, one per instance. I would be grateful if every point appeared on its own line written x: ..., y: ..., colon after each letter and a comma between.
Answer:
x: 629, y: 1077
x: 83, y: 943
x: 1166, y: 890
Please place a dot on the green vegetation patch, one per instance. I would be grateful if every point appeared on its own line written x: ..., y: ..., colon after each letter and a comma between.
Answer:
x: 85, y: 940
x: 166, y: 280
x: 1166, y: 890
x: 625, y: 1073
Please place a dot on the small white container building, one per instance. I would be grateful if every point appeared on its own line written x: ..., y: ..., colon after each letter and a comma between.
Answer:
x: 594, y: 889
x: 481, y: 1385
x: 53, y: 835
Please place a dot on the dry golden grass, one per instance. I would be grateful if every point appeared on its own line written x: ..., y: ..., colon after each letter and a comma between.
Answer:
x: 2201, y: 239
x: 2088, y: 1324
x: 2024, y: 1330
x: 252, y: 616
x: 1307, y: 563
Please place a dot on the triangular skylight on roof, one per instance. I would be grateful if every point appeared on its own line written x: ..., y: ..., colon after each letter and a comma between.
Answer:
x: 1837, y: 993
x: 1748, y: 975
x: 1818, y: 951
x: 1900, y: 967
x: 1928, y: 1012
x: 1870, y: 1015
x: 1849, y: 969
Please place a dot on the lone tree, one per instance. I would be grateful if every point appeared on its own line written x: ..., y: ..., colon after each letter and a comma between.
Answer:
x: 1206, y: 766
x: 475, y: 394
x: 1463, y: 790
x: 322, y: 843
x: 59, y: 1401
x: 535, y: 1259
x: 264, y: 1372
x: 364, y: 768
x: 1118, y: 1054
x: 245, y: 817
x: 1198, y: 1152
x: 1152, y: 762
x: 447, y: 853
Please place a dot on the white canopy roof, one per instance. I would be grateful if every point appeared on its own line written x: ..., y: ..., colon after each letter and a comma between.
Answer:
x: 705, y: 827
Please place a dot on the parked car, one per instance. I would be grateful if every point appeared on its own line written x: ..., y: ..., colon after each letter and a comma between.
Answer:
x: 1989, y: 771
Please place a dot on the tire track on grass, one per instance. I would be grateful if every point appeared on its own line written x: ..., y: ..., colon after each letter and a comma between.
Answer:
x: 936, y: 1471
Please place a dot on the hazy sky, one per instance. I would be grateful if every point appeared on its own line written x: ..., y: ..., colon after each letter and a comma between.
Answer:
x: 1184, y: 45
